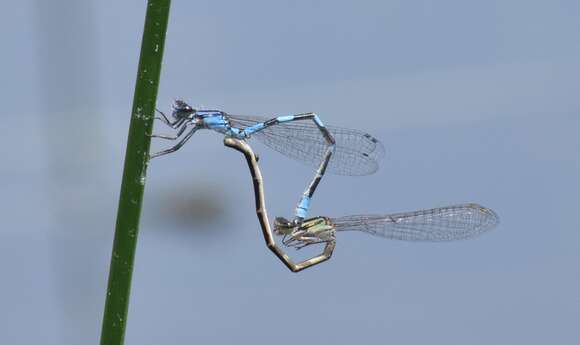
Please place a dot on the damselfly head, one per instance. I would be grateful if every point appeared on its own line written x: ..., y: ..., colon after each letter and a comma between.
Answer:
x: 182, y: 110
x: 283, y: 226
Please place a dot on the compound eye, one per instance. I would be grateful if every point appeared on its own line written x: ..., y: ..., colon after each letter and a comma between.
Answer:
x: 179, y: 104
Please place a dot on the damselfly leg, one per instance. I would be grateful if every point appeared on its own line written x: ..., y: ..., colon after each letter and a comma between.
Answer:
x: 166, y: 120
x: 184, y: 116
x: 178, y: 145
x: 171, y: 137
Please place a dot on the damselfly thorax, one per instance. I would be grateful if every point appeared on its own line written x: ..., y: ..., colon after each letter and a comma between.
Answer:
x: 310, y: 231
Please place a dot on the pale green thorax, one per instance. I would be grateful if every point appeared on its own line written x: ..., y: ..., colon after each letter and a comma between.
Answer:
x: 310, y: 231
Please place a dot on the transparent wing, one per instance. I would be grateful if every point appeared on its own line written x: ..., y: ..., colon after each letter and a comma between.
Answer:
x: 438, y: 224
x: 356, y: 152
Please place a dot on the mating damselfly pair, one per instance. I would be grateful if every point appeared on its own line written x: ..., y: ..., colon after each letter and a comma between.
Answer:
x: 342, y: 151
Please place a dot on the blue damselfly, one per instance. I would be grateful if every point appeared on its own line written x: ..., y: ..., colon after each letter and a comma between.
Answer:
x: 302, y: 137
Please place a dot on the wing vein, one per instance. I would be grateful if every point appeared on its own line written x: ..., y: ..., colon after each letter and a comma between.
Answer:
x: 356, y: 152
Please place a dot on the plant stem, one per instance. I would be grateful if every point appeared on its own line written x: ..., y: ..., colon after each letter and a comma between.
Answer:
x: 133, y: 184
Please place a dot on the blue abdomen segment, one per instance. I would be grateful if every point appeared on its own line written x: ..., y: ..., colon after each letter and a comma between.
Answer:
x: 302, y: 208
x: 282, y: 119
x: 253, y: 129
x: 236, y: 133
x: 259, y: 126
x: 317, y: 121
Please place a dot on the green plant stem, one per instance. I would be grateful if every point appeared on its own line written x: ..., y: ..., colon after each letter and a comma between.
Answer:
x: 133, y: 184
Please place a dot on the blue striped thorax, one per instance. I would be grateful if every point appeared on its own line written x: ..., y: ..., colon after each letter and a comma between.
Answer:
x: 218, y: 121
x: 213, y: 119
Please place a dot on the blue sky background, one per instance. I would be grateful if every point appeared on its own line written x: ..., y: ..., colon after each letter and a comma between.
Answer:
x: 474, y: 101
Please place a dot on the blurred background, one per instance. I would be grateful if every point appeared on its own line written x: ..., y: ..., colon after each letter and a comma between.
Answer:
x: 474, y: 102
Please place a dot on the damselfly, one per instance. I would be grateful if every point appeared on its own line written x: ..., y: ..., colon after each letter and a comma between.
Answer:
x: 438, y: 224
x: 302, y: 137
